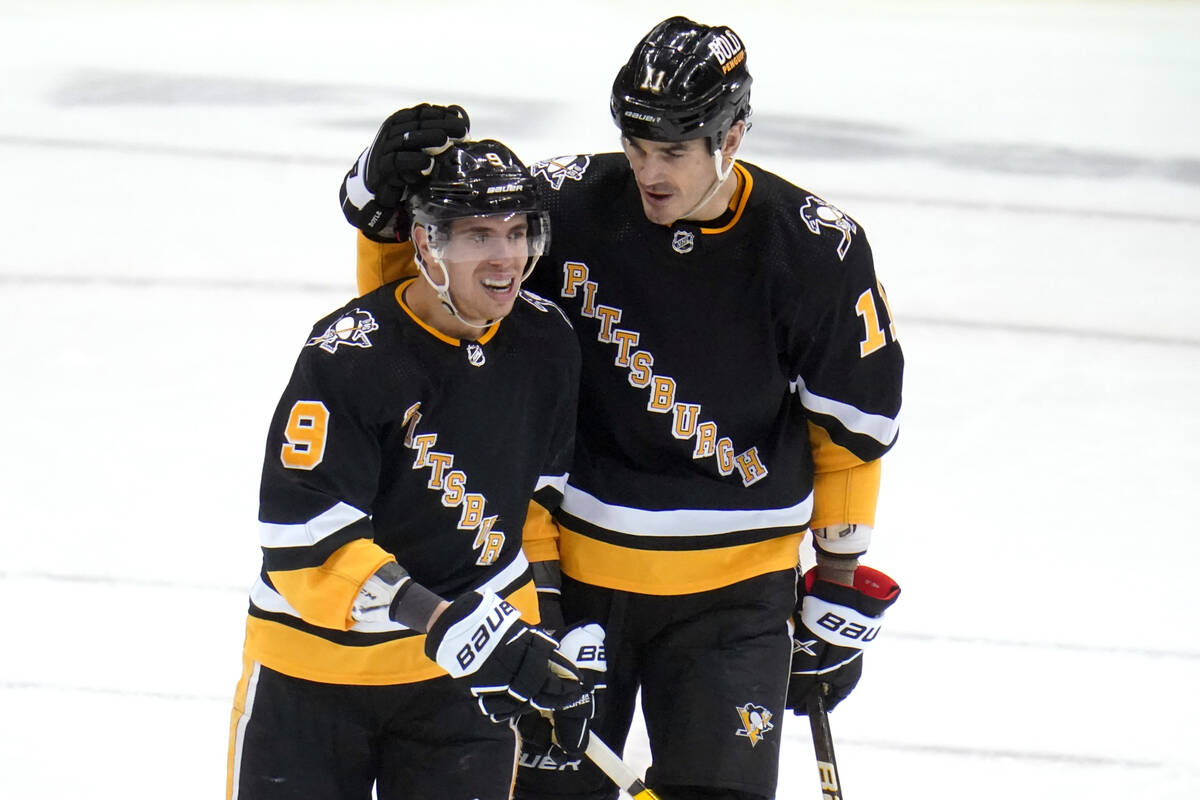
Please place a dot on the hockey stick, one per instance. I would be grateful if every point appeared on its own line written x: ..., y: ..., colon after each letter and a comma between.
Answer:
x: 818, y: 719
x: 617, y: 770
x: 614, y: 767
x: 609, y: 762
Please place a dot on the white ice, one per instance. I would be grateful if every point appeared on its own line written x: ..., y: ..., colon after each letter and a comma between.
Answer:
x: 1029, y: 174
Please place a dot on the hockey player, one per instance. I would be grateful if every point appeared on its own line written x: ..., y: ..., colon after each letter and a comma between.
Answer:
x: 741, y: 380
x: 389, y: 642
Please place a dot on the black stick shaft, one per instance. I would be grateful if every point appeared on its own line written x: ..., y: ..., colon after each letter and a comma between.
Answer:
x: 818, y: 719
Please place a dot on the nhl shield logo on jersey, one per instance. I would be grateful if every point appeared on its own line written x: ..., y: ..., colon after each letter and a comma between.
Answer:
x: 756, y: 721
x: 683, y: 241
x: 556, y: 170
x: 350, y: 329
x: 475, y: 355
x: 818, y: 214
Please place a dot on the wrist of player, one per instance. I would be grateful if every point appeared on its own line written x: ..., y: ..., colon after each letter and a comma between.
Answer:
x: 390, y: 594
x: 547, y: 577
x: 832, y: 626
x: 844, y: 540
x: 838, y: 548
x: 377, y: 221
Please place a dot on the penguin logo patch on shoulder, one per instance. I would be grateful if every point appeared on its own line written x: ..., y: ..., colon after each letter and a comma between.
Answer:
x: 556, y: 170
x: 818, y: 214
x: 350, y: 329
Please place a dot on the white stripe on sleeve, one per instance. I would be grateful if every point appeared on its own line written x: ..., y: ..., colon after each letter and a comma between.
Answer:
x: 327, y: 523
x: 557, y: 481
x: 879, y: 427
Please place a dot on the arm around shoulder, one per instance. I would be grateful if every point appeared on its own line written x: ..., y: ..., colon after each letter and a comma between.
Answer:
x: 380, y: 263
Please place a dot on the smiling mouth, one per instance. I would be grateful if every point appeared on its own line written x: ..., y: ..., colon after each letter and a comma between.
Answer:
x: 500, y: 285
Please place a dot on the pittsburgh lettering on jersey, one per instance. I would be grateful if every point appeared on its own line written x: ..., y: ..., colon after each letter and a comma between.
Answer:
x: 452, y: 483
x: 685, y: 417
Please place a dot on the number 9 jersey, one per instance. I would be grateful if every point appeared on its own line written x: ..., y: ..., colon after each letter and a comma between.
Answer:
x: 393, y: 440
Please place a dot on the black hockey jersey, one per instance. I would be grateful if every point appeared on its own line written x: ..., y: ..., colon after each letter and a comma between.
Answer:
x: 708, y: 349
x: 741, y: 377
x: 393, y: 440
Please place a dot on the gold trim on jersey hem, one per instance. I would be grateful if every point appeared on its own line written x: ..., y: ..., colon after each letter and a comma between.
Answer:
x: 487, y: 335
x: 745, y: 186
x: 672, y: 572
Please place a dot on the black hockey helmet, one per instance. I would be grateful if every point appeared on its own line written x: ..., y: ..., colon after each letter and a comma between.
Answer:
x: 472, y: 179
x: 684, y: 80
x: 475, y: 179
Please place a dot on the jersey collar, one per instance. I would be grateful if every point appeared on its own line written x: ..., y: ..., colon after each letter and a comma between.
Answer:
x: 737, y: 203
x: 484, y: 338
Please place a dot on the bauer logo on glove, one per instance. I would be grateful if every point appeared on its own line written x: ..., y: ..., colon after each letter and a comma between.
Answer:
x: 833, y: 623
x: 838, y: 625
x: 509, y: 667
x: 473, y: 637
x: 584, y: 645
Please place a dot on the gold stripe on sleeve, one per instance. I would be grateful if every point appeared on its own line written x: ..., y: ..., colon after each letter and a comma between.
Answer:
x: 304, y: 655
x: 845, y: 488
x: 324, y: 595
x: 383, y: 263
x: 540, y: 534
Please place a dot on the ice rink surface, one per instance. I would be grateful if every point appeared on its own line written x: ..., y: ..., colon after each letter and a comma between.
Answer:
x: 1029, y: 175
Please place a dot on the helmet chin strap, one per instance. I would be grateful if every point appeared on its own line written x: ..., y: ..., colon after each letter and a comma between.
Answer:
x: 443, y: 292
x: 722, y: 174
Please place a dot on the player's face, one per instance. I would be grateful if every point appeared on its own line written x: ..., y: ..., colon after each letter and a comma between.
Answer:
x: 486, y: 257
x: 672, y: 177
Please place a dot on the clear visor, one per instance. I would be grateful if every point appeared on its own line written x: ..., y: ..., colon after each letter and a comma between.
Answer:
x: 491, y: 237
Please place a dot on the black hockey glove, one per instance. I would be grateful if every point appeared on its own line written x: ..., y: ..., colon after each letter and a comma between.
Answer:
x: 401, y: 156
x: 833, y: 623
x: 509, y: 667
x: 569, y: 727
x: 583, y: 646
